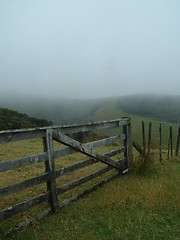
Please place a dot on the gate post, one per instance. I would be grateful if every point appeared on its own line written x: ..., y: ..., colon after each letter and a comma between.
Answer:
x: 50, y: 169
x: 177, y: 143
x: 128, y: 143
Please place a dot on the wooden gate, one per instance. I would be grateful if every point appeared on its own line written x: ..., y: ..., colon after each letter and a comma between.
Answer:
x: 52, y: 172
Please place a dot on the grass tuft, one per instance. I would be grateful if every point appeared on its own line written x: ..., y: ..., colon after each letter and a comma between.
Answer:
x: 145, y: 166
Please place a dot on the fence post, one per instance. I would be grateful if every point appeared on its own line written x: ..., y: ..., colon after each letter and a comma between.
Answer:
x: 160, y: 143
x: 50, y: 168
x: 128, y: 154
x: 129, y: 140
x: 177, y: 143
x: 144, y: 142
x: 125, y: 132
x: 149, y: 138
x: 171, y: 141
x: 46, y: 166
x: 170, y: 145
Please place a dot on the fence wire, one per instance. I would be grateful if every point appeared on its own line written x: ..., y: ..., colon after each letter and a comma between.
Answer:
x: 159, y: 135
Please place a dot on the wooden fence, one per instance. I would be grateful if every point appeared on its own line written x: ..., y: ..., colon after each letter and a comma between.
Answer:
x: 51, y: 174
x: 160, y: 136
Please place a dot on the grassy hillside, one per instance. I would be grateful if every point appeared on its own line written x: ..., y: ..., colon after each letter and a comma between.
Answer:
x: 65, y: 111
x: 144, y: 204
x: 135, y: 206
x: 69, y: 111
x: 113, y: 111
x: 10, y: 119
x: 60, y: 111
x: 161, y: 107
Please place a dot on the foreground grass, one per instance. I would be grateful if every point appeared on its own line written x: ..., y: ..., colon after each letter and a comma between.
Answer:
x: 144, y: 204
x: 141, y: 205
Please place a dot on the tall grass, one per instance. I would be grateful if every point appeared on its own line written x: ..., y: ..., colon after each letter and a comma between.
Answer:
x: 140, y: 205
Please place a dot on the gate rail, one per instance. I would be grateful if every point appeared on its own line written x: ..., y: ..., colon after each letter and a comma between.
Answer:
x: 58, y: 133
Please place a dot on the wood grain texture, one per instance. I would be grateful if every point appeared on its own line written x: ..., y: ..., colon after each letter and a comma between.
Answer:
x: 84, y: 149
x: 8, y: 212
x: 17, y: 187
x: 22, y: 162
x: 23, y: 134
x: 86, y: 163
x: 67, y: 151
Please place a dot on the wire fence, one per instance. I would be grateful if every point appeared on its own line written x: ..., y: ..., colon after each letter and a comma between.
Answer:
x: 157, y: 136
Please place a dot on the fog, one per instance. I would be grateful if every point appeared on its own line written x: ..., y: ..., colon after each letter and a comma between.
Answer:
x: 90, y: 48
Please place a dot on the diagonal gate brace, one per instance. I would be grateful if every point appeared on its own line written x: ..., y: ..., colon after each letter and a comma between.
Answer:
x: 84, y: 149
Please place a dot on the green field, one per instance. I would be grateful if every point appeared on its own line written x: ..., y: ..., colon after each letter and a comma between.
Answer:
x: 112, y: 111
x: 143, y: 204
x: 136, y: 206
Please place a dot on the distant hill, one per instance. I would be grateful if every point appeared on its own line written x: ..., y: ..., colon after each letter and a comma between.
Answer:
x: 10, y: 119
x: 60, y: 111
x: 161, y: 107
x: 69, y: 111
x: 113, y: 111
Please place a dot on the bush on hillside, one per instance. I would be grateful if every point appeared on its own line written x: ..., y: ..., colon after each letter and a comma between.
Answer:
x: 10, y: 119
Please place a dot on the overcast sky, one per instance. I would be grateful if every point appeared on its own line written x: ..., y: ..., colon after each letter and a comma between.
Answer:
x: 89, y: 48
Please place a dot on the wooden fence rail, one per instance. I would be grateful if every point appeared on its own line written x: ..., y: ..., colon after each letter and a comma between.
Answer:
x: 49, y: 155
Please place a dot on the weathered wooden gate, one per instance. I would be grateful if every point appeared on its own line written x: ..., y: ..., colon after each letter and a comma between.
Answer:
x: 61, y: 134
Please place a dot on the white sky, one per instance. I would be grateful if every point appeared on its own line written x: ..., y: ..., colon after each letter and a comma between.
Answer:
x: 89, y: 48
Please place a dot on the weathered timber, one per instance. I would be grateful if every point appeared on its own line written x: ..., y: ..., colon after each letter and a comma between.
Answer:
x: 51, y: 171
x: 46, y: 165
x: 17, y: 187
x: 129, y: 143
x: 105, y: 141
x: 170, y: 145
x: 137, y: 147
x: 48, y: 157
x: 92, y: 126
x: 22, y: 162
x: 171, y: 141
x: 23, y: 134
x: 160, y: 143
x: 125, y: 144
x: 63, y: 204
x: 86, y: 163
x: 144, y: 140
x: 87, y: 178
x: 177, y: 142
x: 66, y: 202
x: 149, y: 138
x: 128, y: 154
x: 67, y: 151
x: 84, y: 149
x: 5, y: 213
x: 28, y: 221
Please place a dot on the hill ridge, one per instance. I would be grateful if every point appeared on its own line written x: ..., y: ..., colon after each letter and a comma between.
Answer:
x: 11, y: 119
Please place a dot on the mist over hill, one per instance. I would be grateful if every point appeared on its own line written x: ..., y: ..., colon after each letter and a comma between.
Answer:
x: 68, y: 111
x: 59, y: 111
x: 162, y: 107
